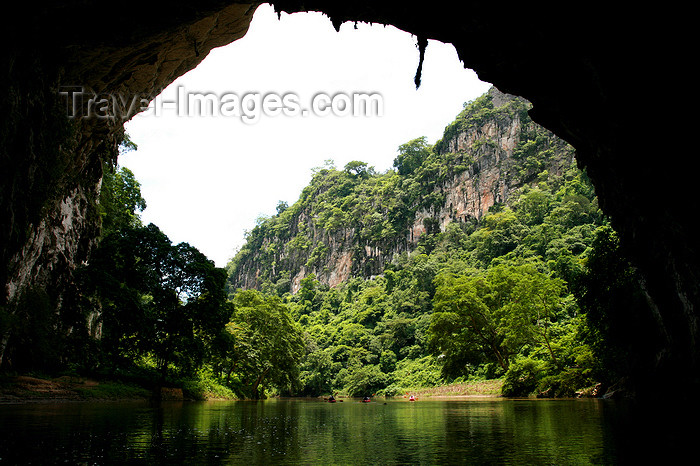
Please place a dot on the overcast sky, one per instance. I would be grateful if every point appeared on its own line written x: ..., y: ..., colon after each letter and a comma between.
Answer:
x: 207, y: 179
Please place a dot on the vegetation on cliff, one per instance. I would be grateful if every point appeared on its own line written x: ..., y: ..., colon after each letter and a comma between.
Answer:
x: 371, y: 283
x: 471, y: 302
x: 368, y: 217
x: 469, y: 299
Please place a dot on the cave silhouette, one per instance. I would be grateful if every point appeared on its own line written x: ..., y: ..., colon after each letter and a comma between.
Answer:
x: 605, y: 78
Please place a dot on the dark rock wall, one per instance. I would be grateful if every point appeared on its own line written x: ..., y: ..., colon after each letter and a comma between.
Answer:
x: 51, y: 164
x: 607, y: 79
x: 50, y: 161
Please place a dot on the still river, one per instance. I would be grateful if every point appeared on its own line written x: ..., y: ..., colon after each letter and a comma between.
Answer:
x: 293, y: 431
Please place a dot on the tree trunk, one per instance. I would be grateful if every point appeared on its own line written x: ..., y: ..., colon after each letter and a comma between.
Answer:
x: 258, y: 382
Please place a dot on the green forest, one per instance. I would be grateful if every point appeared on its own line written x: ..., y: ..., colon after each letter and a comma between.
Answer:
x: 530, y: 294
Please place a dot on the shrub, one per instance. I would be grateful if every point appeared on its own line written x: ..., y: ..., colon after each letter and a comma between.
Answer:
x: 523, y: 376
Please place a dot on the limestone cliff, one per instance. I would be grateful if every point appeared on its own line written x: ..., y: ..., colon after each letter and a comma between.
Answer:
x: 490, y: 151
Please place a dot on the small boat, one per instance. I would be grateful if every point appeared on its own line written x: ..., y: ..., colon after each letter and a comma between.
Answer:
x: 412, y: 398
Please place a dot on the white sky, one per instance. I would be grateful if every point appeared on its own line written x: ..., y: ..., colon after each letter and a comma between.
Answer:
x: 207, y: 179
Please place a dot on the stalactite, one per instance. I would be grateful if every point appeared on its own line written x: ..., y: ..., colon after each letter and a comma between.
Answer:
x: 422, y: 45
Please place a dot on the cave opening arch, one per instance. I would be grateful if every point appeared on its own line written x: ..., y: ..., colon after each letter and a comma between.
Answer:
x: 586, y: 71
x: 201, y: 157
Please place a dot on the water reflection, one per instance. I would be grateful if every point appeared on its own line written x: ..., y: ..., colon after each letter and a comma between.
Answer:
x: 474, y: 431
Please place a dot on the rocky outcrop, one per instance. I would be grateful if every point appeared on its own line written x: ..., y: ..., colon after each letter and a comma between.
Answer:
x: 492, y: 167
x: 491, y: 178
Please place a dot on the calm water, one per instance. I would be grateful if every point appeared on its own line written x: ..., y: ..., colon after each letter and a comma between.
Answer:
x: 471, y: 431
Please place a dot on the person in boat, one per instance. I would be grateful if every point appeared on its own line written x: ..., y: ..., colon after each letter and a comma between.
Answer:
x: 411, y: 398
x: 331, y: 399
x: 366, y: 399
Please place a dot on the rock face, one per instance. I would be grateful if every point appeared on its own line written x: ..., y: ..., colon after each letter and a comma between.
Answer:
x: 491, y: 179
x: 52, y: 164
x: 592, y: 75
x: 488, y: 166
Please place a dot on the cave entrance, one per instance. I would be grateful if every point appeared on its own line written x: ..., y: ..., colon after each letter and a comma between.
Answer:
x: 586, y: 74
x: 209, y: 169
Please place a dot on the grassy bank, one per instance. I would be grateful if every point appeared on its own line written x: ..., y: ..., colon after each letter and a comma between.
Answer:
x: 480, y: 388
x: 26, y: 388
x: 66, y: 388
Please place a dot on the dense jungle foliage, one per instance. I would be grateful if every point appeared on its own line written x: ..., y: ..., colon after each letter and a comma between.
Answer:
x: 487, y: 300
x: 533, y: 293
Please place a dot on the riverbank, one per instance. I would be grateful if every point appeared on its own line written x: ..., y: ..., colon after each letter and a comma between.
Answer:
x: 482, y: 388
x: 30, y: 388
x: 25, y: 388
